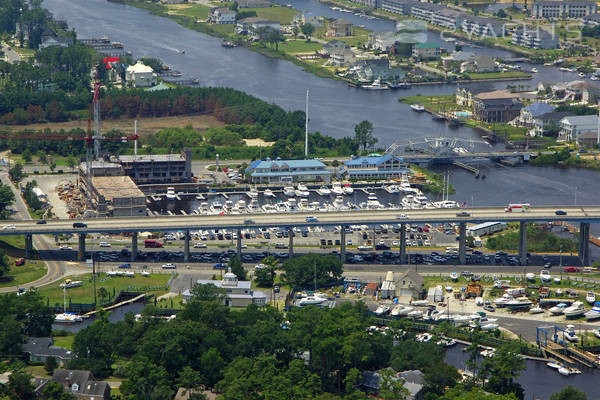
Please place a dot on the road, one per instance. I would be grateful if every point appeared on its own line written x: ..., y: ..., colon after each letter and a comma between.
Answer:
x: 11, y: 55
x: 288, y: 220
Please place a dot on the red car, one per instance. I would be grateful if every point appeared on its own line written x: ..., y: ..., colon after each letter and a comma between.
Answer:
x: 571, y: 269
x: 19, y: 262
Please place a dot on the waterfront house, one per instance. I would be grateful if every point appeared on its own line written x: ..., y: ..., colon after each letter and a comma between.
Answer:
x: 380, y: 167
x: 413, y: 381
x: 437, y: 14
x: 534, y: 39
x: 287, y: 171
x: 379, y: 68
x: 410, y: 284
x: 587, y: 139
x: 528, y: 114
x: 78, y: 383
x: 371, y: 289
x: 480, y: 64
x: 548, y: 124
x: 496, y: 106
x: 254, y: 3
x: 563, y: 9
x: 53, y: 40
x: 308, y: 18
x: 453, y: 60
x: 140, y: 75
x: 334, y: 46
x: 222, y: 16
x: 339, y: 28
x: 342, y: 58
x: 426, y: 50
x: 238, y: 293
x: 571, y: 127
x: 40, y: 348
x: 252, y: 25
x: 382, y: 41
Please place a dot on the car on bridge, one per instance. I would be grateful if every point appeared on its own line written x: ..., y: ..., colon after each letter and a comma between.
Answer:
x: 79, y: 225
x: 200, y: 245
x: 560, y: 212
x: 7, y: 227
x: 41, y: 222
x: 571, y: 269
x: 311, y: 218
x: 219, y: 266
x: 125, y: 266
x: 463, y: 214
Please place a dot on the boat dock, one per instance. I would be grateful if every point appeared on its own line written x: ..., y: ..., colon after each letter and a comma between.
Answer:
x: 467, y: 167
x: 122, y: 303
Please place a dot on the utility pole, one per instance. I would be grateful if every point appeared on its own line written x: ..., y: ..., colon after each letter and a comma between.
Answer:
x: 306, y: 128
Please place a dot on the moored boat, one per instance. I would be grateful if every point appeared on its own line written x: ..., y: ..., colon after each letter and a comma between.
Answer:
x: 417, y: 107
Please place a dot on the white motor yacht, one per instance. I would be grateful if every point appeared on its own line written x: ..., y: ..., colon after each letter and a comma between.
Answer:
x: 216, y: 208
x: 417, y: 107
x: 228, y: 206
x: 536, y: 310
x: 171, y: 195
x: 253, y: 193
x: 268, y: 193
x: 281, y: 207
x: 382, y: 309
x: 454, y: 276
x: 558, y: 309
x: 347, y: 189
x: 420, y: 303
x: 545, y: 276
x: 590, y: 297
x: 302, y: 191
x: 292, y: 205
x: 269, y: 209
x: 520, y: 303
x: 311, y: 301
x: 574, y: 310
x: 594, y: 313
x: 336, y: 188
x: 254, y: 207
x: 530, y: 276
x: 415, y: 314
x: 400, y: 310
x: 338, y: 202
x: 204, y: 209
x: 67, y: 318
x: 570, y: 334
x: 324, y: 191
x: 423, y: 337
x: 392, y: 189
x: 289, y: 191
x: 501, y: 301
x: 239, y: 207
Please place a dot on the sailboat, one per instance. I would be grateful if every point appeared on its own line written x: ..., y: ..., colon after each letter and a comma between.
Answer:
x: 65, y: 317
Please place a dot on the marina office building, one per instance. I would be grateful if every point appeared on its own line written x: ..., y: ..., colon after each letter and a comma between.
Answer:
x: 287, y: 171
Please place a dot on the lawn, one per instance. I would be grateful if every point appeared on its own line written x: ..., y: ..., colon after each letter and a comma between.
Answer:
x: 17, y: 276
x: 299, y: 46
x: 359, y: 35
x: 189, y: 10
x: 225, y: 29
x: 154, y: 283
x: 16, y: 241
x: 283, y: 15
x: 495, y: 75
x: 64, y: 341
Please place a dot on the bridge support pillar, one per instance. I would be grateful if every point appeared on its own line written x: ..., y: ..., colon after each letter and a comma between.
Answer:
x: 186, y: 246
x: 584, y: 243
x: 291, y: 244
x: 134, y: 246
x: 28, y: 246
x: 462, y: 242
x: 81, y: 252
x: 343, y: 244
x: 523, y: 242
x: 239, y: 244
x: 402, y: 243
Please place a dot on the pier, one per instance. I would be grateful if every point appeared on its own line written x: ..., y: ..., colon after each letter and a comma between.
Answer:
x: 467, y: 167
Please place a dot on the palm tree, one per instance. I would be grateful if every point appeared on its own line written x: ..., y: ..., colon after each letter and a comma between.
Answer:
x: 103, y: 294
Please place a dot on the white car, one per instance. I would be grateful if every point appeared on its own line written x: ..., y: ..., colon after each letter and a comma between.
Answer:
x: 104, y: 244
x: 427, y: 242
x: 168, y: 266
x: 66, y: 248
x: 395, y: 243
x: 200, y: 245
x: 6, y: 227
x: 402, y: 216
x: 349, y: 242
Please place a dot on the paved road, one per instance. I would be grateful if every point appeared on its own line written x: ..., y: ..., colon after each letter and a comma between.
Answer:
x: 11, y: 55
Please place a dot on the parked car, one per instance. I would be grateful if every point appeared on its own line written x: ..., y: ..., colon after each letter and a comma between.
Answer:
x: 571, y: 269
x: 19, y: 262
x: 200, y: 245
x: 276, y: 289
x: 489, y: 308
x: 168, y: 266
x: 125, y: 266
x: 104, y: 244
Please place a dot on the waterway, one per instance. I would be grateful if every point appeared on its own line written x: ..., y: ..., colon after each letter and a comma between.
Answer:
x: 116, y: 315
x: 538, y: 380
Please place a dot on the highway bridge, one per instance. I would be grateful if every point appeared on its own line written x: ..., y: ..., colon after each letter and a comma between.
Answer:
x: 466, y: 157
x: 584, y: 215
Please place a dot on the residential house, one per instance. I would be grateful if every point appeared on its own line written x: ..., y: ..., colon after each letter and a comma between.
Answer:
x: 254, y: 3
x: 342, y: 58
x: 140, y: 75
x: 53, y: 40
x: 382, y: 41
x: 582, y: 91
x: 288, y: 171
x: 39, y: 349
x: 334, y: 46
x: 453, y: 60
x: 426, y: 50
x: 409, y: 284
x: 251, y: 25
x: 534, y: 39
x: 528, y: 114
x: 563, y: 9
x: 379, y: 68
x: 413, y: 381
x: 238, y: 293
x: 381, y: 167
x: 80, y: 384
x: 222, y: 16
x: 339, y: 28
x: 465, y: 97
x: 496, y: 106
x: 571, y: 127
x: 308, y: 18
x: 545, y: 123
x: 482, y: 27
x: 388, y: 286
x: 480, y: 64
x: 371, y: 289
x: 588, y: 139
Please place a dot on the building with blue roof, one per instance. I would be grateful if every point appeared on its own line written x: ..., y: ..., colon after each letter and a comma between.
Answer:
x: 375, y: 167
x: 288, y: 171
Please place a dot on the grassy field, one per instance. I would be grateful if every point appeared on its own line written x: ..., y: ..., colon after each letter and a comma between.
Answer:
x: 359, y: 35
x: 64, y: 341
x: 189, y: 10
x: 497, y: 75
x: 26, y: 273
x: 299, y: 46
x: 17, y: 241
x: 283, y: 15
x: 436, y: 103
x: 154, y: 283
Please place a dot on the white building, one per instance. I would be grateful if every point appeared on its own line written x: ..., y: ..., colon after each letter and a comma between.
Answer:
x: 571, y: 127
x: 238, y: 293
x: 140, y: 75
x: 222, y: 16
x: 563, y: 9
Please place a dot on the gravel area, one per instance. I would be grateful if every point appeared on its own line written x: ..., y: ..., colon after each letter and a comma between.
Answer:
x: 48, y: 185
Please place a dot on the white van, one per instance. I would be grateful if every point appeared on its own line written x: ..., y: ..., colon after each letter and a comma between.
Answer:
x: 479, y: 301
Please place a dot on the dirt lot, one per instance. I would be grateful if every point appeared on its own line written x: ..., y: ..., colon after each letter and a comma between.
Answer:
x: 145, y: 125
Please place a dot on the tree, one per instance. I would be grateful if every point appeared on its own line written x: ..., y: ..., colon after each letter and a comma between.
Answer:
x: 569, y: 393
x: 501, y: 13
x: 103, y: 294
x: 16, y: 173
x: 295, y: 31
x: 235, y: 264
x: 71, y: 162
x: 501, y: 371
x: 363, y: 135
x: 50, y: 364
x: 391, y: 387
x: 234, y: 6
x: 7, y: 197
x: 301, y: 271
x: 20, y: 385
x: 207, y: 292
x: 56, y: 391
x: 52, y: 165
x: 265, y: 277
x: 307, y: 30
x: 42, y: 157
x: 26, y: 155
